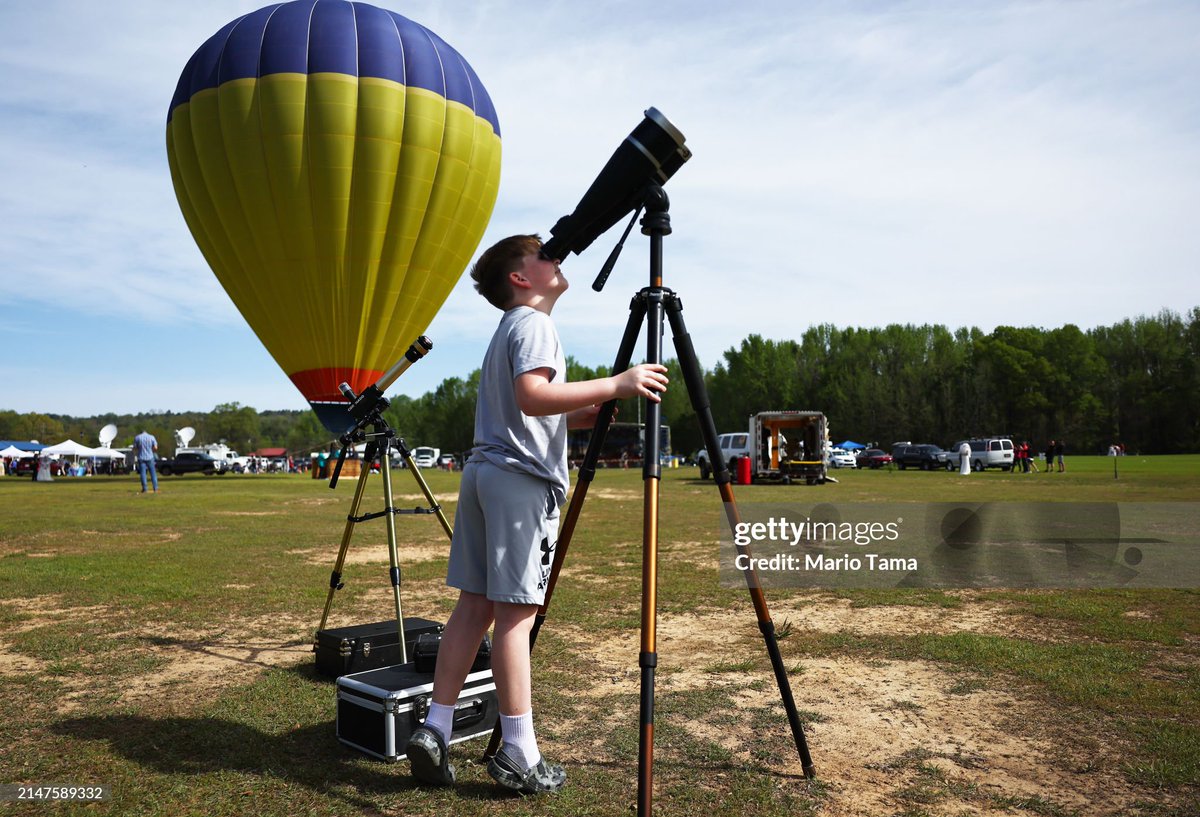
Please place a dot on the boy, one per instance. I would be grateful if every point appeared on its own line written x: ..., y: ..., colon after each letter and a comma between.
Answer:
x: 506, y: 523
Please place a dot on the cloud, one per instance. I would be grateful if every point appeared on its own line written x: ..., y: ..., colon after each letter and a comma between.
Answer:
x: 855, y: 164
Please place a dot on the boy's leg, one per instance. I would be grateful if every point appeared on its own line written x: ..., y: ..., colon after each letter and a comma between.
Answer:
x: 460, y: 643
x: 428, y: 747
x: 519, y: 765
x: 510, y: 656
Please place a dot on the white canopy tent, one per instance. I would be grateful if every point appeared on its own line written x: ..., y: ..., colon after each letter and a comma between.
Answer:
x: 107, y: 453
x: 13, y: 451
x: 69, y: 448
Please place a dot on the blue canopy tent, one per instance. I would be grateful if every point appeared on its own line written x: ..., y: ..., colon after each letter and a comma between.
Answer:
x: 24, y: 445
x: 850, y: 445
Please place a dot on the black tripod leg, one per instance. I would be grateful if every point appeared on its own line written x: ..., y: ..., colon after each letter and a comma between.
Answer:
x: 694, y: 381
x: 587, y: 472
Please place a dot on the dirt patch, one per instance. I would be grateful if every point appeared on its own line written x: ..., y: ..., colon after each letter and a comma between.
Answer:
x: 374, y: 554
x: 201, y: 665
x: 879, y: 725
x: 315, y: 501
x: 17, y: 665
x: 56, y: 543
x: 42, y: 610
x: 613, y: 494
x: 247, y: 513
x: 832, y: 615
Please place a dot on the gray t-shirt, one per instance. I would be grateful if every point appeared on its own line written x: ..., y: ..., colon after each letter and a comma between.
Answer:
x: 504, y: 435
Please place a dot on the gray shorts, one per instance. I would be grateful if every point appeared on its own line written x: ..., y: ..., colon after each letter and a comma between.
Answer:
x: 505, y: 531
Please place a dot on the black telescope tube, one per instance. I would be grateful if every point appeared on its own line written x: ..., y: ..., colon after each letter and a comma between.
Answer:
x: 650, y: 154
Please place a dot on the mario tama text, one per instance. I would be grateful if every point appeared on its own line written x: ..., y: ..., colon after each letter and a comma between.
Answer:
x: 816, y: 545
x: 953, y: 545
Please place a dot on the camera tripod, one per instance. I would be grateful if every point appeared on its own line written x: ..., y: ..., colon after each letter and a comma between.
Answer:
x: 367, y: 410
x: 649, y: 306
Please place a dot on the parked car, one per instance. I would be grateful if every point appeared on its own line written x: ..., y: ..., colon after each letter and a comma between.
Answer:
x: 988, y: 452
x: 841, y: 458
x: 923, y: 456
x: 873, y: 458
x: 26, y: 466
x: 732, y: 445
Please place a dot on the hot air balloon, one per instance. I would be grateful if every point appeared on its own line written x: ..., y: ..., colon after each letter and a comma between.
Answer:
x: 337, y: 165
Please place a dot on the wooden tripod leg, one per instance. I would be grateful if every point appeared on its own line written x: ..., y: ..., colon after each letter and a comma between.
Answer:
x: 424, y: 486
x: 335, y: 578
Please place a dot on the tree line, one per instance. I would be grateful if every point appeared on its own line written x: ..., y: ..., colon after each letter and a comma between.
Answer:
x: 1136, y: 383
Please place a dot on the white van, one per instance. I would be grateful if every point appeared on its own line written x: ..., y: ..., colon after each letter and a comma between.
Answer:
x: 988, y: 452
x: 425, y: 457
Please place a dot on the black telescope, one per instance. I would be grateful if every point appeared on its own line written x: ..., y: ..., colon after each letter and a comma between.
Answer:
x: 649, y: 155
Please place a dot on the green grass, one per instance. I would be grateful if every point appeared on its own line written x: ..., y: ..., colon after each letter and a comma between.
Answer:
x: 100, y: 588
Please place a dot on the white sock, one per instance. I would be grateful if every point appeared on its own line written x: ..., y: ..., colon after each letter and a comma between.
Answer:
x: 441, y: 720
x: 519, y: 742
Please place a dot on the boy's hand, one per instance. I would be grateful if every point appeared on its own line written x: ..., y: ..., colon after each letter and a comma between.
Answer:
x: 643, y: 380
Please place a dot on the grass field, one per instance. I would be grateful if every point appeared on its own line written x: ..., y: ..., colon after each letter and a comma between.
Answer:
x: 160, y: 645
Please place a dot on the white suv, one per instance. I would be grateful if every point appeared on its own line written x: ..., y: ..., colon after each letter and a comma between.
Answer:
x: 732, y: 445
x: 988, y: 452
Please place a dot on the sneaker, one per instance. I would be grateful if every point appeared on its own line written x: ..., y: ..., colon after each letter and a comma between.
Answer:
x: 544, y: 777
x: 429, y: 758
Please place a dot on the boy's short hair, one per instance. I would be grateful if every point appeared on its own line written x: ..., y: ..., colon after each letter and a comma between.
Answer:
x: 491, y: 271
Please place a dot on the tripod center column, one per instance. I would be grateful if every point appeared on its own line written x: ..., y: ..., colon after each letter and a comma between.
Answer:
x: 656, y: 223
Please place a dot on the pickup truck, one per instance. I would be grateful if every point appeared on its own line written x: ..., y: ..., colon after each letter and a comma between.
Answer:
x: 189, y: 462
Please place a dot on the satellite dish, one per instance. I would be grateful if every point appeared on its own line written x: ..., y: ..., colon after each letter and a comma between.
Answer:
x: 108, y: 434
x: 184, y: 435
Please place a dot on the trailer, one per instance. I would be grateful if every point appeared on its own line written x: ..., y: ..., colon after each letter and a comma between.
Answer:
x: 789, y: 446
x: 624, y: 445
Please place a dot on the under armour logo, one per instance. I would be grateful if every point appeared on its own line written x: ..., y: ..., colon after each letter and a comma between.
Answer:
x: 547, y: 551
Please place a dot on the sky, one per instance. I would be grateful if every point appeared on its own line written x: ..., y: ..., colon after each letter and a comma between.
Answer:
x: 859, y: 164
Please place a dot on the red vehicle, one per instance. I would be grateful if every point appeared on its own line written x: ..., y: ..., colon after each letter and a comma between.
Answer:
x: 874, y: 458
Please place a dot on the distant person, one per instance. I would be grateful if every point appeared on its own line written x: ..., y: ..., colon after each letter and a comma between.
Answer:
x: 1059, y: 448
x: 145, y: 447
x: 964, y: 459
x: 1030, y: 458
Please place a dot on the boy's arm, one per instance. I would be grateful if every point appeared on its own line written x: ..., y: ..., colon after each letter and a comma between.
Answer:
x: 538, y: 397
